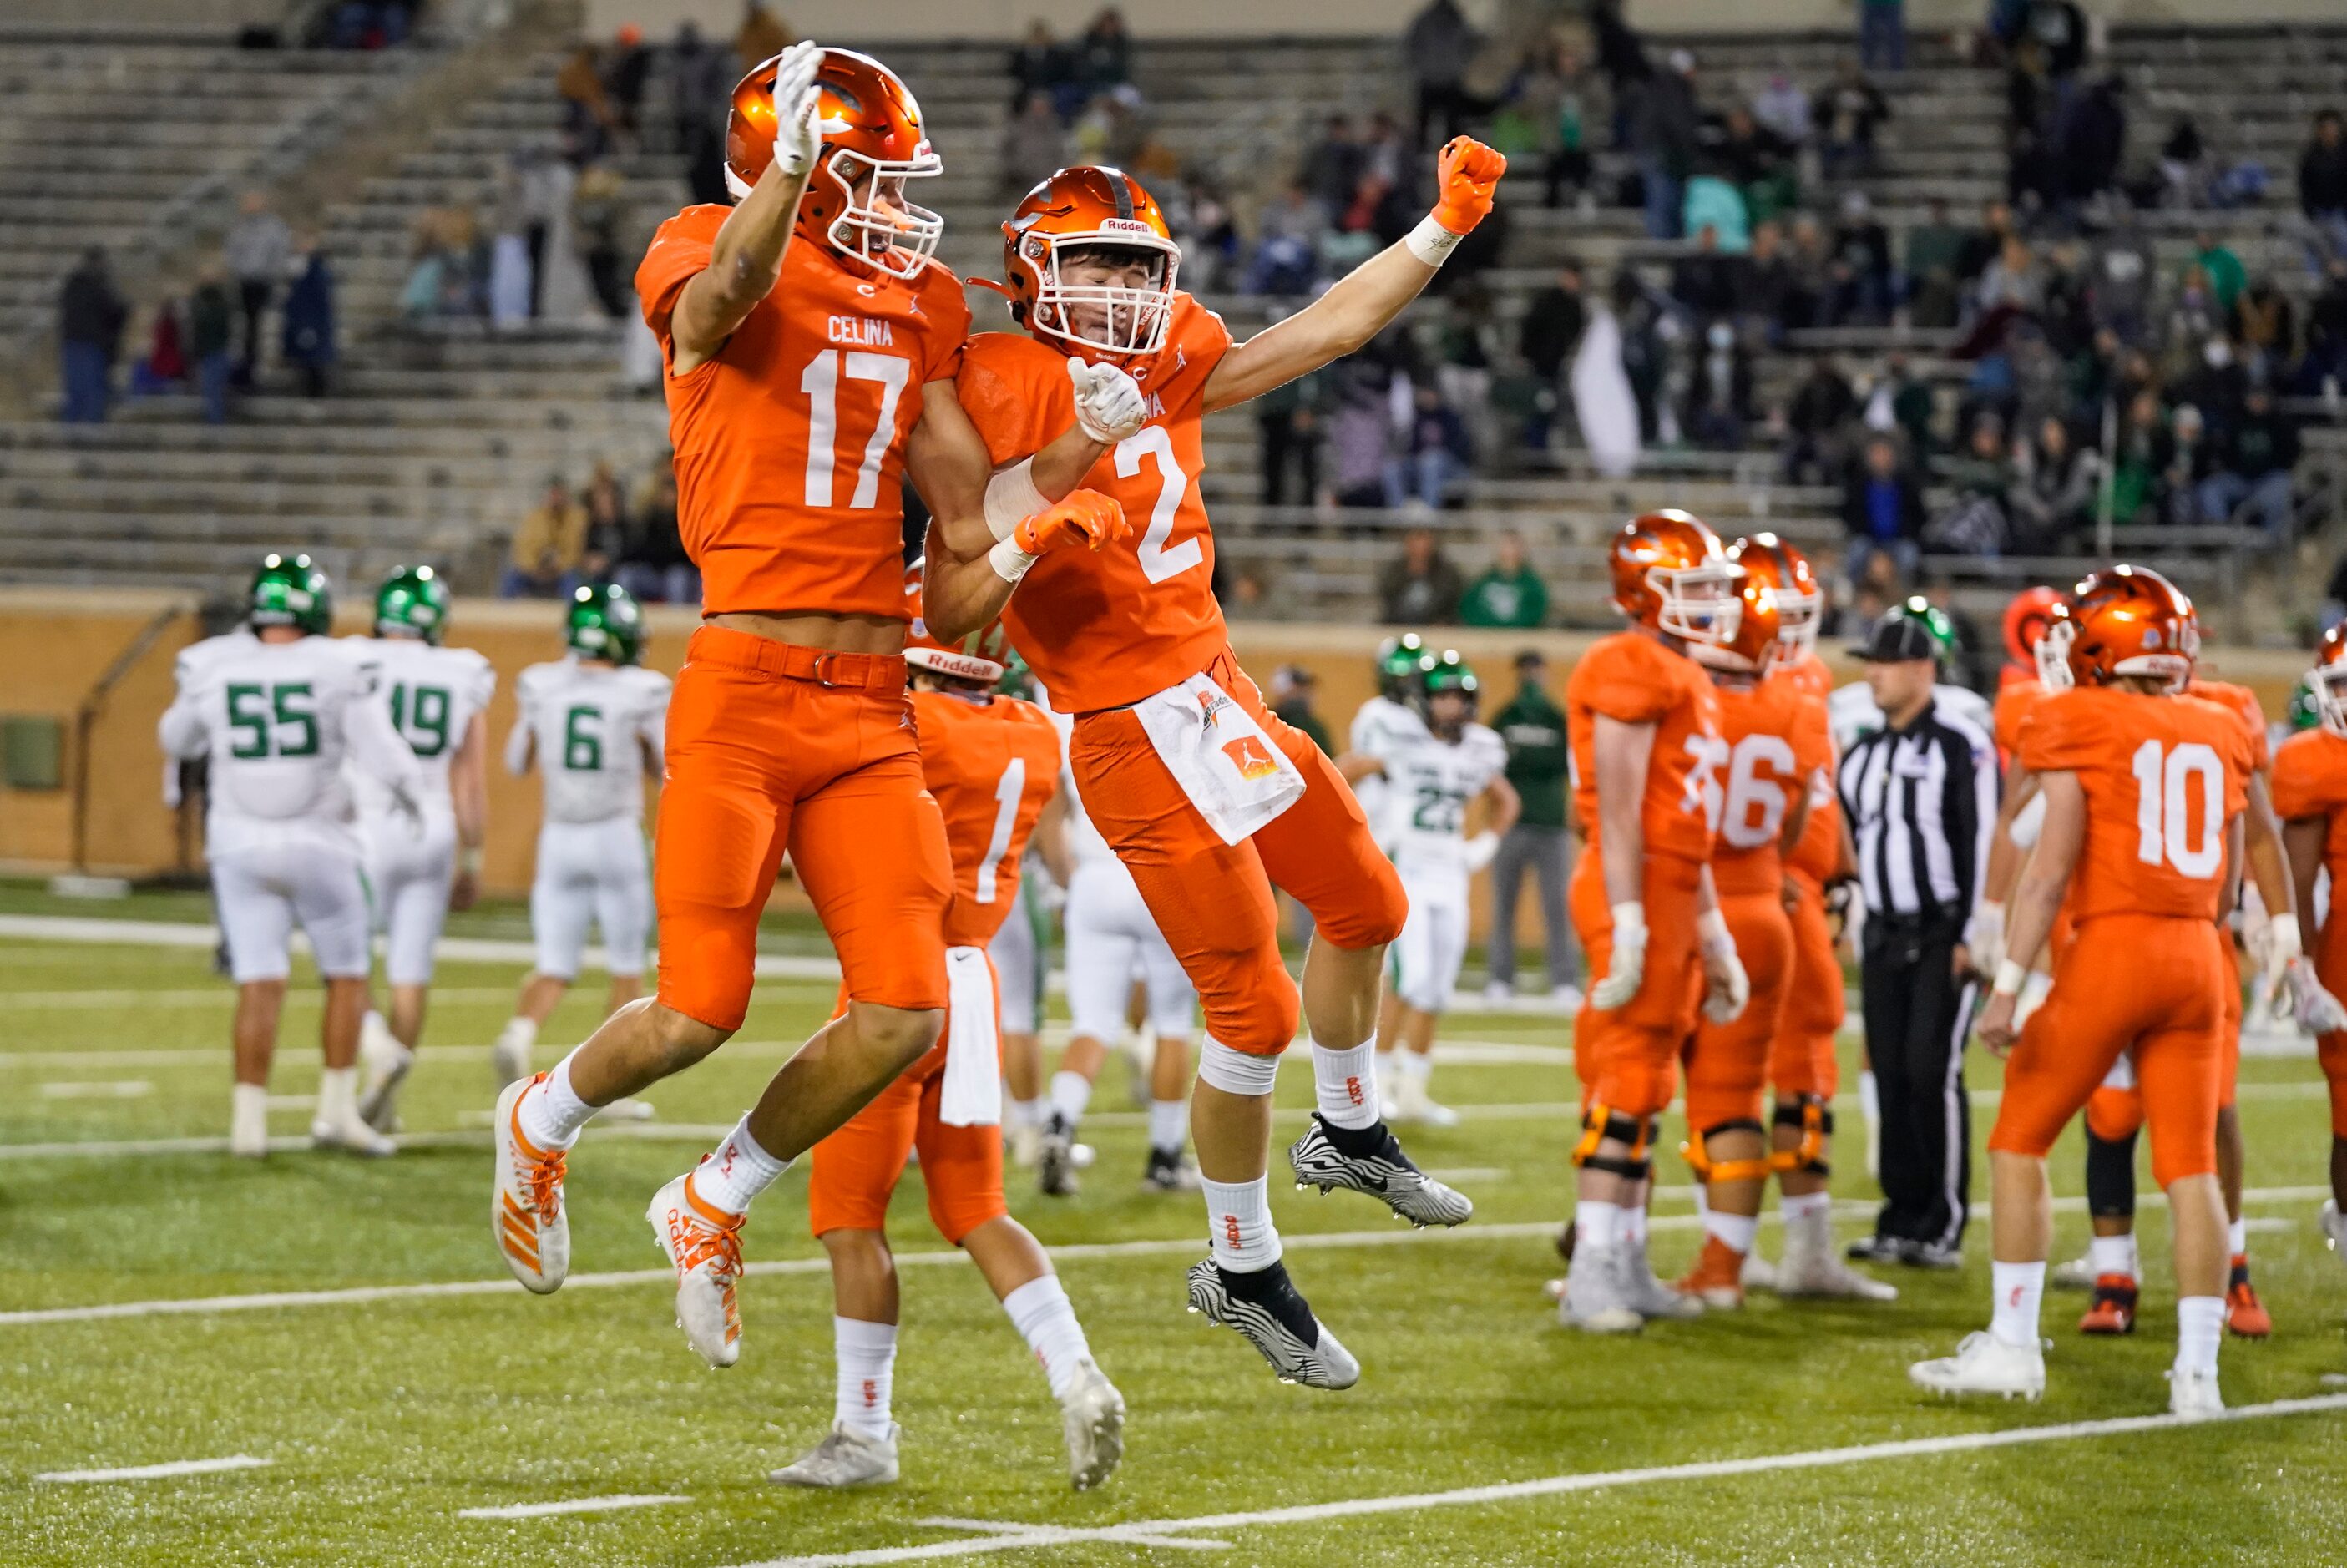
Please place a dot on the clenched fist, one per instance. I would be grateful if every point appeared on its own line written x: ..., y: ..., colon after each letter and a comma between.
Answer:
x: 1466, y: 174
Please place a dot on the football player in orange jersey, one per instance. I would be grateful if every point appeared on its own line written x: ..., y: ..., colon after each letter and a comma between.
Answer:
x: 1804, y: 1069
x: 1205, y: 795
x: 993, y: 764
x: 810, y: 344
x: 2310, y: 795
x: 2027, y: 614
x: 2145, y: 788
x: 1643, y: 722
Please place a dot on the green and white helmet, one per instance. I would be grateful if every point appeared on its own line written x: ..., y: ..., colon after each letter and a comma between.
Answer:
x: 1451, y: 673
x: 292, y: 590
x: 412, y: 602
x: 1403, y: 664
x: 605, y: 622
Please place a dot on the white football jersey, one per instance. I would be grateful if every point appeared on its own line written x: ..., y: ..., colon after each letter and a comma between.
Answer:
x: 1381, y: 729
x: 278, y: 721
x: 431, y: 695
x: 592, y: 727
x: 1850, y: 712
x: 1429, y: 782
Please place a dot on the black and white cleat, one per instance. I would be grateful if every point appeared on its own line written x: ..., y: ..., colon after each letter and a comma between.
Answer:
x: 1371, y: 1161
x: 1266, y: 1308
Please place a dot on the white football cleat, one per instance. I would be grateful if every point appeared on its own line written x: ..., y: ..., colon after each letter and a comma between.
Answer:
x: 1595, y: 1300
x: 1092, y: 1419
x: 2193, y: 1395
x: 1499, y: 998
x: 247, y: 1127
x: 1812, y: 1266
x: 1759, y: 1274
x: 703, y: 1244
x: 2335, y: 1227
x: 1413, y: 1103
x: 1648, y: 1296
x: 509, y: 1056
x: 350, y: 1134
x: 1984, y: 1364
x: 383, y: 1063
x: 845, y: 1457
x: 526, y: 1210
x: 1566, y: 998
x: 2078, y: 1273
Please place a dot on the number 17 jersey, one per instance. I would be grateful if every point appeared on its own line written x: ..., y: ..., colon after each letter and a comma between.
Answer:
x: 1105, y: 629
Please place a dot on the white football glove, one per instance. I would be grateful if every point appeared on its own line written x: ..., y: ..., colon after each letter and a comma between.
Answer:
x: 2316, y: 1010
x: 1479, y: 851
x: 1986, y: 936
x: 1109, y: 405
x: 797, y: 135
x: 1627, y: 967
x: 1726, y: 986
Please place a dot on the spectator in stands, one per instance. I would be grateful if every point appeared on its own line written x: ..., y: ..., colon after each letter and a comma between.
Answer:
x: 1975, y: 522
x: 1418, y: 586
x: 2190, y: 457
x: 2268, y: 325
x: 653, y: 563
x: 1509, y: 593
x: 597, y: 209
x: 2254, y: 453
x: 2323, y: 180
x: 1809, y: 263
x: 1553, y: 94
x: 547, y: 547
x: 608, y: 526
x: 2218, y: 385
x: 759, y: 37
x: 700, y: 81
x: 308, y: 342
x: 1103, y: 55
x: 2183, y: 168
x: 1434, y: 456
x: 627, y: 69
x: 1287, y: 254
x: 588, y: 117
x: 1861, y: 271
x: 1466, y: 345
x: 1928, y: 277
x: 1287, y: 420
x: 1203, y: 227
x: 1041, y: 67
x: 1854, y: 108
x: 1333, y: 167
x: 1882, y: 510
x: 257, y: 250
x: 1034, y: 144
x: 1709, y: 202
x: 211, y: 338
x: 1882, y: 34
x: 1540, y: 765
x: 2013, y: 284
x: 2059, y: 30
x: 1985, y: 243
x: 164, y: 367
x: 1758, y: 163
x: 1764, y: 286
x: 1705, y: 281
x: 1665, y: 126
x: 1437, y: 49
x: 1906, y: 406
x: 2227, y: 276
x: 1718, y: 404
x: 1783, y: 106
x: 2123, y: 276
x: 2056, y: 485
x: 1360, y: 436
x: 2139, y: 460
x: 1548, y: 336
x: 1816, y: 420
x: 2093, y: 140
x: 2326, y: 331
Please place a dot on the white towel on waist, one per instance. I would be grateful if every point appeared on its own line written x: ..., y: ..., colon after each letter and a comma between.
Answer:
x: 971, y: 1094
x: 1231, y: 772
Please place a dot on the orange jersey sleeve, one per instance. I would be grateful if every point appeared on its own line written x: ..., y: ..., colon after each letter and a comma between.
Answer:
x: 2243, y: 701
x: 790, y: 443
x: 1106, y: 629
x: 1633, y: 677
x: 2014, y: 703
x: 1776, y: 738
x: 2310, y: 780
x: 1819, y: 849
x: 993, y: 767
x: 2163, y: 776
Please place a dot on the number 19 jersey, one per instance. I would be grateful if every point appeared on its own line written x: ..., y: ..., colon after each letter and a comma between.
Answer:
x: 1105, y: 629
x: 592, y: 727
x: 431, y: 694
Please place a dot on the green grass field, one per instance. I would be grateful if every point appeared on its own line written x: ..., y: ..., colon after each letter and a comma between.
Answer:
x: 382, y: 1417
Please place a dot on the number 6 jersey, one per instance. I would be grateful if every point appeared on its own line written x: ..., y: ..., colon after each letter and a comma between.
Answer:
x: 591, y: 726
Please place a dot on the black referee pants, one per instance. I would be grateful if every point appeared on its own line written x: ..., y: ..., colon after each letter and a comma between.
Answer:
x: 1917, y: 1015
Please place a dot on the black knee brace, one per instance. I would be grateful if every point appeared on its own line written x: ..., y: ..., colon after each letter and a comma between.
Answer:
x: 2111, y: 1177
x: 1815, y: 1118
x: 1599, y: 1123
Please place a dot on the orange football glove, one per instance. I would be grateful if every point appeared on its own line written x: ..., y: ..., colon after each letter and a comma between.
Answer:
x: 1467, y: 172
x: 1087, y: 516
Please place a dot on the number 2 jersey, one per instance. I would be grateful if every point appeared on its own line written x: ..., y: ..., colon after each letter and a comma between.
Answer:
x: 1635, y: 679
x: 1105, y: 629
x: 2163, y: 776
x: 277, y: 721
x: 591, y: 726
x: 992, y: 766
x: 431, y: 696
x: 1429, y: 782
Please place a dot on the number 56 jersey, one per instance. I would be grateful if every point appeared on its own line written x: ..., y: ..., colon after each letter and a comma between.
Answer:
x: 2162, y: 777
x: 592, y: 727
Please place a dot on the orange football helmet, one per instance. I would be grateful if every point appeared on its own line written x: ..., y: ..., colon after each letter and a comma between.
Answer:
x: 2025, y: 619
x: 2122, y: 620
x: 1801, y: 600
x: 1671, y: 574
x: 1079, y: 209
x: 2329, y: 680
x: 873, y: 141
x: 1757, y: 641
x: 976, y: 658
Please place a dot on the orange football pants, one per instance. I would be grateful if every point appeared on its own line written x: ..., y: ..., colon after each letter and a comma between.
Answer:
x: 1802, y: 1059
x: 2331, y: 1049
x: 1628, y: 1057
x: 2114, y: 1113
x: 770, y: 746
x: 1727, y: 1063
x: 1213, y: 900
x: 2151, y: 983
x: 853, y: 1173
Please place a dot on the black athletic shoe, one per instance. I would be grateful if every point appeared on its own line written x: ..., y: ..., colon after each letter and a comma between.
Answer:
x: 1931, y: 1254
x: 1168, y: 1172
x: 1369, y: 1160
x: 1055, y: 1167
x: 1877, y: 1249
x: 1266, y: 1308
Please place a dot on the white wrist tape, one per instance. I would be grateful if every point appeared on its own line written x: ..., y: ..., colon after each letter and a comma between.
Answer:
x: 1630, y: 922
x: 1711, y: 931
x: 1430, y: 243
x: 468, y: 860
x: 1009, y: 561
x: 2011, y: 976
x: 1011, y: 497
x: 2282, y: 941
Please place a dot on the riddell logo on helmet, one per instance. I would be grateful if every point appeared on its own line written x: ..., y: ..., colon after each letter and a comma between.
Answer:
x: 1126, y: 226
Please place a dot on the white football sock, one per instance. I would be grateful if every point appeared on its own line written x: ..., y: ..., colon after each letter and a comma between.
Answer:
x: 1039, y: 1309
x: 1345, y: 1084
x: 737, y: 1170
x: 1070, y: 1092
x: 551, y: 1112
x: 1238, y: 1219
x: 1169, y: 1122
x: 249, y: 1112
x: 1415, y: 1065
x: 1026, y: 1113
x: 1793, y: 1205
x: 2236, y: 1237
x: 1735, y: 1232
x: 2019, y: 1287
x: 867, y: 1359
x: 2199, y: 1330
x: 522, y: 1031
x: 1633, y: 1218
x: 1596, y: 1224
x: 2112, y: 1255
x: 338, y: 1096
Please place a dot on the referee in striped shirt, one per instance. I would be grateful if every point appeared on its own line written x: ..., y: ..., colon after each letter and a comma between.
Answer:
x: 1920, y: 796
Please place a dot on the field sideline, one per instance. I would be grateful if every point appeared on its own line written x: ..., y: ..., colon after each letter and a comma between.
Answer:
x: 319, y: 1361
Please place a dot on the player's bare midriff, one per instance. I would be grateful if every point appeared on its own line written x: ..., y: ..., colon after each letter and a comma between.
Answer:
x: 808, y: 629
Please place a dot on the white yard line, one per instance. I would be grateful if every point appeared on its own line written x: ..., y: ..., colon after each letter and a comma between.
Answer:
x: 161, y: 1472
x: 1011, y: 1537
x: 575, y: 1505
x: 112, y: 1088
x: 223, y: 995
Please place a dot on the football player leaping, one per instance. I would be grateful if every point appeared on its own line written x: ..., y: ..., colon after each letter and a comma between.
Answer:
x: 276, y: 706
x: 594, y: 723
x: 1430, y: 779
x: 437, y: 697
x: 1207, y: 796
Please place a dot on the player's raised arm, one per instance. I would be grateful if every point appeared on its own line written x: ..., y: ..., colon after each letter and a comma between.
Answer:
x: 746, y: 259
x: 2030, y: 916
x: 1360, y: 305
